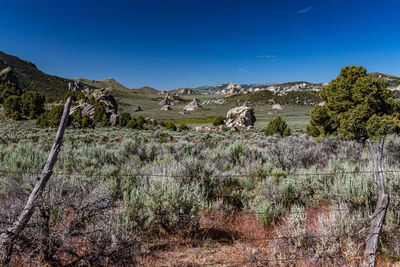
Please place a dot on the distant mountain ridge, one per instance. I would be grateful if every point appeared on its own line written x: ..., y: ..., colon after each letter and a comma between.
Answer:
x: 282, y: 88
x: 278, y: 88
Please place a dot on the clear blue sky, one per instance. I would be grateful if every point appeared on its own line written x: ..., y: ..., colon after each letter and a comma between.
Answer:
x: 168, y: 44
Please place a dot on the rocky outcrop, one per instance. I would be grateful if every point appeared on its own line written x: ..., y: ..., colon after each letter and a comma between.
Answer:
x: 215, y: 101
x: 137, y: 109
x: 7, y: 75
x: 277, y: 107
x: 231, y: 89
x: 185, y: 91
x: 276, y: 88
x: 151, y: 120
x: 193, y: 106
x: 170, y: 100
x: 76, y: 86
x: 99, y: 95
x: 240, y: 117
x: 164, y: 102
x: 166, y: 107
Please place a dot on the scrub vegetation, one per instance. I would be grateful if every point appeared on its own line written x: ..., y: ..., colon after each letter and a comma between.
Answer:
x: 142, y: 192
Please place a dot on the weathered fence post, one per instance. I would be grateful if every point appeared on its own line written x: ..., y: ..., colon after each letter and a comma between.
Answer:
x: 8, y: 238
x: 377, y: 218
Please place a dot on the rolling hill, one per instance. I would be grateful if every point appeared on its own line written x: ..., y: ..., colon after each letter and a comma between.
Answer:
x: 29, y: 78
x: 110, y: 82
x: 393, y: 81
x: 146, y: 90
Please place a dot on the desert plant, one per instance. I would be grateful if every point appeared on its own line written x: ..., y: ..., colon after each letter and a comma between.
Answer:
x: 219, y: 120
x: 124, y: 118
x: 170, y: 126
x: 183, y: 127
x: 278, y: 126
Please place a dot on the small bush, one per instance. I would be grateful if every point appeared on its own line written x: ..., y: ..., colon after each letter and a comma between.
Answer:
x: 278, y: 126
x: 105, y: 121
x: 51, y: 118
x: 8, y: 89
x: 182, y: 127
x: 28, y: 106
x: 87, y: 122
x: 124, y: 118
x: 219, y: 120
x: 99, y: 111
x: 170, y: 126
x: 134, y: 124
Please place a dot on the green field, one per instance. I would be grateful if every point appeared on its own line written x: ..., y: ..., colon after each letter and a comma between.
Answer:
x: 297, y: 116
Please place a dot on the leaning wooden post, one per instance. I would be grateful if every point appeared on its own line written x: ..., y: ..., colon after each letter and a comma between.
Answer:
x: 371, y: 241
x: 7, y: 239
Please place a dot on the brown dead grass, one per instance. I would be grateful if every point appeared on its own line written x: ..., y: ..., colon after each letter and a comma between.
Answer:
x: 223, y: 240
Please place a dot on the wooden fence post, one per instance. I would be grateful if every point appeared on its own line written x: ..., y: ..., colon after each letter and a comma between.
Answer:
x: 377, y: 218
x: 8, y: 238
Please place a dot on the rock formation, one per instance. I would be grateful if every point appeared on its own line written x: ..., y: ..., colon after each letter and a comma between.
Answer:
x: 7, y: 75
x: 137, y: 109
x: 99, y: 95
x: 164, y: 102
x: 151, y: 120
x: 193, y: 106
x: 215, y: 101
x: 185, y: 91
x: 170, y: 100
x: 166, y: 107
x: 277, y: 107
x: 240, y: 117
x: 76, y: 87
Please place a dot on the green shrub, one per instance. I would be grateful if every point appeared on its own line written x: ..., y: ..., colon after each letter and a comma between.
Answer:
x: 219, y: 120
x: 278, y: 126
x: 124, y: 118
x: 8, y: 89
x: 170, y: 205
x: 170, y: 126
x: 135, y: 124
x: 12, y: 107
x: 236, y: 150
x: 140, y: 120
x: 105, y: 121
x: 28, y: 106
x: 87, y: 122
x: 99, y: 111
x: 351, y: 101
x: 51, y: 118
x: 32, y: 105
x: 183, y: 127
x: 267, y: 213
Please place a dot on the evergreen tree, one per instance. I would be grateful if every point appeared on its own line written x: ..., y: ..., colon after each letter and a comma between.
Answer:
x: 278, y: 126
x: 124, y: 118
x: 357, y: 106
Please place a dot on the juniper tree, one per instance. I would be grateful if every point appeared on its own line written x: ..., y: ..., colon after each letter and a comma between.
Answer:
x: 278, y: 126
x: 357, y: 106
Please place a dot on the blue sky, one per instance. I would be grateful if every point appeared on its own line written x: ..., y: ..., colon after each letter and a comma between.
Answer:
x: 168, y: 44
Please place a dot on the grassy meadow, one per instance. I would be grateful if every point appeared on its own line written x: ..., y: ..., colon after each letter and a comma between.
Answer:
x: 297, y: 116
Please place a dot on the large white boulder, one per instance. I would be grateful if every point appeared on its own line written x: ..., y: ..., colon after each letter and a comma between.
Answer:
x: 240, y: 117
